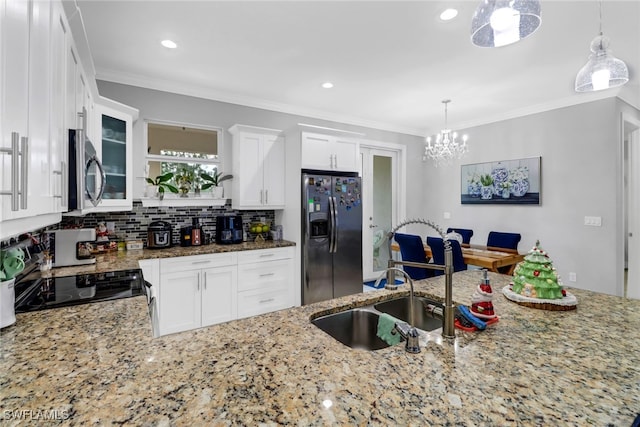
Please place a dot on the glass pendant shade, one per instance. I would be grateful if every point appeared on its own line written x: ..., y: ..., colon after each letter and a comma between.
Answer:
x: 603, y: 70
x: 502, y: 22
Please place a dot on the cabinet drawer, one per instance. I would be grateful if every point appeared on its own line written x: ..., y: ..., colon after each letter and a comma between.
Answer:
x: 185, y: 263
x: 262, y: 255
x: 264, y: 275
x: 252, y: 303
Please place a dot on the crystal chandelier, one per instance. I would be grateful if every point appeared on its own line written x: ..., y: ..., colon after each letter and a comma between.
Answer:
x: 603, y: 70
x: 446, y: 145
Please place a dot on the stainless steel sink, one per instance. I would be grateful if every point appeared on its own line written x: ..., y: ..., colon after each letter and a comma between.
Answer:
x: 355, y: 328
x: 427, y: 313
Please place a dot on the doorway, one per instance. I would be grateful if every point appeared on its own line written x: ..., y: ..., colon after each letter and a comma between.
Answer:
x: 631, y: 191
x: 382, y: 203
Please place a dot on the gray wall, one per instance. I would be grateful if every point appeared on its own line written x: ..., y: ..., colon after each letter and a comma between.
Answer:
x: 581, y: 176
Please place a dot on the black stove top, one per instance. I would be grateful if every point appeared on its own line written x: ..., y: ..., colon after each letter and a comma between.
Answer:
x: 54, y: 292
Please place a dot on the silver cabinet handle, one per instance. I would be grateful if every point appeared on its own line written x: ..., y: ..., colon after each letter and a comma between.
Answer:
x: 266, y: 197
x: 266, y: 255
x: 24, y: 169
x: 206, y: 261
x: 267, y: 274
x: 198, y: 282
x: 63, y: 184
x: 15, y: 164
x: 205, y: 280
x: 261, y: 199
x: 335, y: 161
x: 266, y: 300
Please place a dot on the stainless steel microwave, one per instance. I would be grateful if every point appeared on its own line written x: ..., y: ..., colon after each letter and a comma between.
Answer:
x: 87, y: 179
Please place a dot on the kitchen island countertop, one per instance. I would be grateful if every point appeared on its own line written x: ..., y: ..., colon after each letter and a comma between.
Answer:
x: 97, y: 364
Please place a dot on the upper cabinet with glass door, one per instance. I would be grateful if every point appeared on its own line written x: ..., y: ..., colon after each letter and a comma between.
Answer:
x: 115, y: 127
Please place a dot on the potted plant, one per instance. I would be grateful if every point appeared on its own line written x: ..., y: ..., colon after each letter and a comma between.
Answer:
x: 505, y: 188
x: 213, y: 182
x: 486, y: 192
x: 160, y: 183
x: 184, y: 180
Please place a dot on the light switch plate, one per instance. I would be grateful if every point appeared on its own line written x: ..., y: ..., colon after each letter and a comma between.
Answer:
x: 593, y: 221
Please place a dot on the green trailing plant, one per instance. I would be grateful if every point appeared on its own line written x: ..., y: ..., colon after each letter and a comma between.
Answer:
x: 213, y: 180
x: 486, y: 180
x: 161, y: 182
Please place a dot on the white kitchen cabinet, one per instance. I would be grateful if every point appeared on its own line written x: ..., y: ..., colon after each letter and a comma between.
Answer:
x: 26, y: 105
x: 196, y: 291
x: 265, y: 281
x: 258, y: 168
x: 329, y: 152
x: 117, y: 157
x: 59, y: 130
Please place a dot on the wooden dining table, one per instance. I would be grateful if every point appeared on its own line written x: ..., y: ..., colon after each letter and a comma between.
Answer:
x: 487, y: 257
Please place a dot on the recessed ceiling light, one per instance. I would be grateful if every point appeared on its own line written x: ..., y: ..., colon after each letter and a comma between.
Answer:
x: 448, y: 14
x: 169, y: 44
x: 327, y: 85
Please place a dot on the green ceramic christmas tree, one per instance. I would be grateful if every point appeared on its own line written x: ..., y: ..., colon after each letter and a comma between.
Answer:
x: 535, y: 277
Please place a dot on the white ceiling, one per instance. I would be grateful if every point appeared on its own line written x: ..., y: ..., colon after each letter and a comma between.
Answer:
x: 392, y: 62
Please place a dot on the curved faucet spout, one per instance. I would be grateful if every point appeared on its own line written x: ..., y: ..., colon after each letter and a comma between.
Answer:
x: 411, y: 334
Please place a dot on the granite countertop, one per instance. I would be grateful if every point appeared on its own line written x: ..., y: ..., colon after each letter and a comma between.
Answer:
x: 127, y: 260
x: 98, y: 364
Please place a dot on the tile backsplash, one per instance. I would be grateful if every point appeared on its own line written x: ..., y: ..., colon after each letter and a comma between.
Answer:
x: 133, y: 224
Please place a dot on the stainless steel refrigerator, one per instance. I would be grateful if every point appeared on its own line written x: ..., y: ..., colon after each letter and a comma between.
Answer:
x: 331, y: 236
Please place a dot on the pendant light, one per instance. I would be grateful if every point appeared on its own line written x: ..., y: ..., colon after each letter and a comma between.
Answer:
x: 502, y: 22
x: 603, y: 70
x: 446, y: 146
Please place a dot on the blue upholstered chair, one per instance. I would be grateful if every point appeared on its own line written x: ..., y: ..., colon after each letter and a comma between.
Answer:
x: 464, y: 232
x: 498, y: 239
x: 412, y: 249
x: 437, y: 250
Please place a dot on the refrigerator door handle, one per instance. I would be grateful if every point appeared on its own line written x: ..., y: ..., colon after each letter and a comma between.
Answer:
x: 332, y: 224
x: 335, y: 225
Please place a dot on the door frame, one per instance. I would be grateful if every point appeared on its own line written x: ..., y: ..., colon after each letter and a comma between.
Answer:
x: 401, y: 184
x: 626, y: 120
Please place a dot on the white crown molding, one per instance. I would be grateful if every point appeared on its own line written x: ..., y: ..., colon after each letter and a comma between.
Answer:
x: 570, y: 101
x: 221, y: 96
x: 625, y: 93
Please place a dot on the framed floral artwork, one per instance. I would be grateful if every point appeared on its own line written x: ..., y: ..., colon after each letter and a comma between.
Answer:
x: 508, y: 182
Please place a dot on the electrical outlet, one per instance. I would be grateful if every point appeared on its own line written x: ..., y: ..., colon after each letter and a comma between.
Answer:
x: 447, y: 215
x: 593, y: 221
x: 572, y: 277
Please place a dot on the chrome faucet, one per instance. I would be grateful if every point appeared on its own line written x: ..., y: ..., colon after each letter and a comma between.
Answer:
x: 408, y: 331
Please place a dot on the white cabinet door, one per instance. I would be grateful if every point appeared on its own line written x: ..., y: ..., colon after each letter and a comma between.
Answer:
x: 248, y: 177
x: 179, y: 301
x: 346, y: 154
x: 219, y: 294
x: 317, y: 151
x: 274, y: 172
x: 59, y: 134
x: 258, y: 168
x: 115, y: 134
x: 25, y: 30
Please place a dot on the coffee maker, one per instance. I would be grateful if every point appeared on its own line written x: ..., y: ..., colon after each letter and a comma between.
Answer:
x: 192, y: 235
x: 229, y: 229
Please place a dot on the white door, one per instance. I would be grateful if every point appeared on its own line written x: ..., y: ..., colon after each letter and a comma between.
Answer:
x: 633, y: 222
x: 380, y: 202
